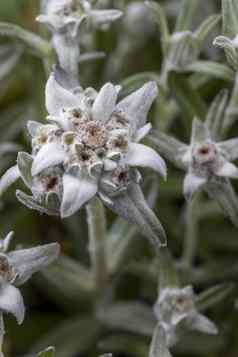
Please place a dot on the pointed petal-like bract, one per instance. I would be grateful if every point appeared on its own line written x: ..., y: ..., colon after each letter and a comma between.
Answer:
x: 200, y: 132
x: 105, y: 102
x: 227, y: 170
x: 57, y: 97
x: 192, y: 183
x: 29, y: 261
x: 32, y: 127
x: 230, y: 148
x: 24, y: 163
x: 11, y: 301
x: 76, y: 192
x: 132, y: 206
x: 32, y: 203
x: 7, y: 241
x: 142, y: 132
x: 103, y: 17
x: 201, y: 323
x: 53, y: 22
x: 10, y: 176
x: 138, y: 104
x: 49, y: 155
x: 144, y: 156
x: 171, y: 148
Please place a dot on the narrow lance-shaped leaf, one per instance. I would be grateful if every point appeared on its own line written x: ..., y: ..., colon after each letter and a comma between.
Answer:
x: 192, y: 105
x: 223, y: 192
x: 216, y: 114
x: 206, y: 27
x: 132, y: 317
x: 71, y: 337
x: 32, y: 203
x: 186, y: 15
x: 9, y: 57
x: 34, y: 42
x: 230, y: 17
x: 49, y: 352
x: 214, y: 295
x: 135, y: 81
x: 212, y: 69
x: 232, y: 108
x: 132, y: 207
x: 161, y: 20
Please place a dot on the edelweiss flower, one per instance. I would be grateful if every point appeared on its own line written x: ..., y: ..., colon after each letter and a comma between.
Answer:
x: 207, y: 161
x: 92, y: 143
x: 16, y: 268
x: 64, y: 19
x: 90, y: 146
x: 69, y: 14
x: 177, y: 305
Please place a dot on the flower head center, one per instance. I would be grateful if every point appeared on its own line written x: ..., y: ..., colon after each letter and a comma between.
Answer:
x: 51, y: 183
x: 7, y: 272
x: 205, y: 153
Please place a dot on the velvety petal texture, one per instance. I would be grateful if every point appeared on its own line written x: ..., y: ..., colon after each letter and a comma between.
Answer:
x: 29, y: 261
x: 144, y: 156
x: 105, y: 102
x: 227, y: 169
x: 103, y: 17
x: 49, y: 155
x: 192, y: 184
x: 200, y: 132
x: 77, y: 191
x: 10, y: 176
x: 11, y: 301
x: 58, y: 98
x: 138, y: 104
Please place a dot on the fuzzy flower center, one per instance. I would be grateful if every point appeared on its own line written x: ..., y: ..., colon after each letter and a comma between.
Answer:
x: 89, y: 141
x: 205, y: 153
x: 7, y: 272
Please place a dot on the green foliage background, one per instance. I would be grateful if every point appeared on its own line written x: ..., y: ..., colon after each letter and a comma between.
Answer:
x: 60, y: 314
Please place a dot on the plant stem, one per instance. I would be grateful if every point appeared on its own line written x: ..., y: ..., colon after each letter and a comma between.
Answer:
x: 2, y: 332
x: 191, y: 232
x: 97, y: 245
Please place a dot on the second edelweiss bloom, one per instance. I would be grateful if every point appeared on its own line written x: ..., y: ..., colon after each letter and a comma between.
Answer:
x: 16, y: 267
x: 91, y: 145
x: 207, y: 160
x: 176, y: 306
x: 64, y: 18
x: 68, y: 15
